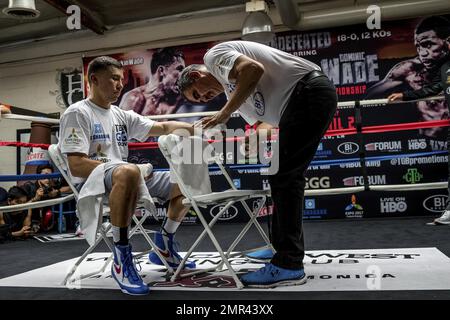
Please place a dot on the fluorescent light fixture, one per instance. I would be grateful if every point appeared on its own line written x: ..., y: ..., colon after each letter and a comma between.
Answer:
x: 258, y: 26
x: 22, y: 9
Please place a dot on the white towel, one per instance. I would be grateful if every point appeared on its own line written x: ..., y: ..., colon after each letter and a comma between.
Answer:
x: 91, y: 196
x: 187, y: 159
x: 217, y: 132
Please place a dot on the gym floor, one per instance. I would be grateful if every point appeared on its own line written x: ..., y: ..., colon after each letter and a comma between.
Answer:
x: 21, y: 256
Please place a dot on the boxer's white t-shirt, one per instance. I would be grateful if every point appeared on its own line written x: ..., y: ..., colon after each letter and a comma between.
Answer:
x: 271, y: 96
x: 101, y: 134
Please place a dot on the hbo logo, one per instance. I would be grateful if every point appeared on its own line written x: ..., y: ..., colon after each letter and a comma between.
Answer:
x: 393, y: 206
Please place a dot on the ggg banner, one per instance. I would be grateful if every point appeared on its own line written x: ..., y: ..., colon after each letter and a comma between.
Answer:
x: 363, y: 64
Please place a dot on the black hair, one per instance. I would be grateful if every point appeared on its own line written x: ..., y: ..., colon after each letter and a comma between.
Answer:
x: 185, y: 80
x: 438, y: 24
x: 164, y: 57
x: 102, y: 63
x: 16, y: 192
x: 44, y: 166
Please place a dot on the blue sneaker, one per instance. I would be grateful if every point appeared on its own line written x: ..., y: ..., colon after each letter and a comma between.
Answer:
x: 124, y: 272
x: 260, y: 256
x: 168, y: 249
x: 271, y: 276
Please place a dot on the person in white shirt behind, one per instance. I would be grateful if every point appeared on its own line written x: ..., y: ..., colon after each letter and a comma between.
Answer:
x: 270, y: 87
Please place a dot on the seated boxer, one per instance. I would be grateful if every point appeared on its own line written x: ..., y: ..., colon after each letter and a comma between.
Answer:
x: 92, y: 132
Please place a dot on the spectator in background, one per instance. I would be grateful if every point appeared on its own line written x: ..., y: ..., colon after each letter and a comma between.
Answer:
x: 3, y: 195
x: 4, y: 109
x: 45, y: 189
x: 19, y: 222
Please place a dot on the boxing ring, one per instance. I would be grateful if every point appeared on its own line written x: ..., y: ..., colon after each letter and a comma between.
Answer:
x: 358, y: 130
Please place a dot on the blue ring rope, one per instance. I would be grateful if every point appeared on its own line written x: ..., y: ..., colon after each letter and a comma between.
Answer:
x: 23, y: 177
x: 377, y: 158
x: 244, y: 166
x: 335, y: 162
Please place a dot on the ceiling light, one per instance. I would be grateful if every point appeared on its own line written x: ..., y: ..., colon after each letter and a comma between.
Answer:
x: 22, y: 9
x: 258, y: 26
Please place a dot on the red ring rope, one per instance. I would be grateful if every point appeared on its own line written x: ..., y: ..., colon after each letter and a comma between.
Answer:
x: 329, y: 133
x: 390, y: 127
x: 24, y: 144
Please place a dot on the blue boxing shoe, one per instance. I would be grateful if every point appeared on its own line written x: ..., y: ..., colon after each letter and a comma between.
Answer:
x: 271, y: 276
x: 260, y: 256
x: 124, y: 272
x: 168, y: 249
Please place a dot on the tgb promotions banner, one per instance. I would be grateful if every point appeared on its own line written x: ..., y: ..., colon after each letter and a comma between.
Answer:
x: 371, y: 64
x: 363, y: 64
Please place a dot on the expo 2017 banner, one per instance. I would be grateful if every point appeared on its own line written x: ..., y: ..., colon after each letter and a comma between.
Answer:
x: 363, y: 64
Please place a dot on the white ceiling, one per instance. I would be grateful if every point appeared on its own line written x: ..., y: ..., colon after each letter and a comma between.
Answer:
x: 101, y: 16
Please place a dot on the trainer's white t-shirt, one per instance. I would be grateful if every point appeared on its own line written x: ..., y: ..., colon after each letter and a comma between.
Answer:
x: 101, y: 134
x: 271, y: 95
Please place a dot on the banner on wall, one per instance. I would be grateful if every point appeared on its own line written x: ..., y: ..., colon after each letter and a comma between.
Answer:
x: 150, y: 80
x: 363, y: 64
x: 70, y: 83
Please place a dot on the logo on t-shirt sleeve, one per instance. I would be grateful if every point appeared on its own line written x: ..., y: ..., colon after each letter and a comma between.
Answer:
x: 73, y: 137
x: 258, y: 102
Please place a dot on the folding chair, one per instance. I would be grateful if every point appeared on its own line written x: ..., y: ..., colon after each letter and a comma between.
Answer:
x: 102, y: 228
x: 226, y: 198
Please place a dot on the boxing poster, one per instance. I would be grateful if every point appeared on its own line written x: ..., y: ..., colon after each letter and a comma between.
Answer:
x: 372, y: 64
x: 363, y: 64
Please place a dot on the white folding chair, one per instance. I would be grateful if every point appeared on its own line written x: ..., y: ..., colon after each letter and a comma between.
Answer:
x: 103, y: 228
x: 226, y: 198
